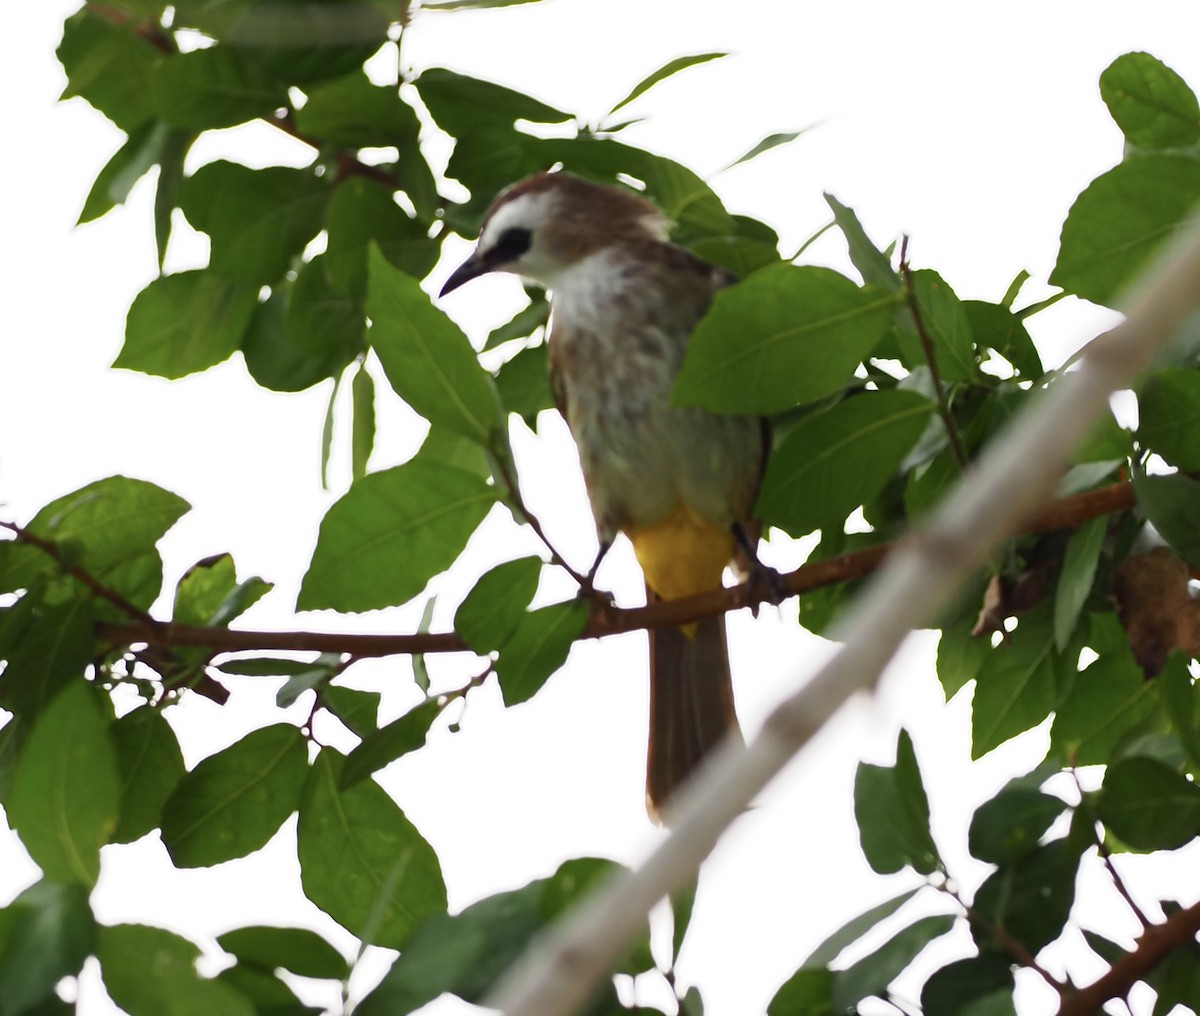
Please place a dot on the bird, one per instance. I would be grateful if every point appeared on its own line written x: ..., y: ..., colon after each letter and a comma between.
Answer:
x: 679, y: 482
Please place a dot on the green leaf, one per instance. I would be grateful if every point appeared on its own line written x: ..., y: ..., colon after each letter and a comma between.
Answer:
x: 1075, y: 580
x: 665, y: 71
x: 363, y: 425
x: 128, y: 951
x: 496, y: 604
x: 64, y: 797
x: 259, y: 220
x: 358, y: 710
x: 998, y: 328
x: 767, y: 144
x: 277, y: 360
x: 265, y: 991
x: 462, y: 5
x: 1120, y: 220
x: 186, y: 322
x: 871, y: 975
x: 150, y: 766
x: 214, y: 87
x: 1007, y: 828
x: 450, y: 449
x: 362, y: 861
x: 960, y: 655
x: 362, y: 213
x: 783, y: 337
x: 1032, y: 899
x: 1169, y: 416
x: 683, y: 903
x: 321, y: 321
x: 297, y: 950
x: 461, y: 104
x: 873, y: 265
x: 210, y: 594
x: 537, y: 648
x: 1148, y: 805
x: 1177, y: 981
x: 427, y: 358
x: 808, y: 992
x: 50, y: 932
x: 110, y: 66
x: 351, y: 112
x: 141, y: 151
x: 111, y: 526
x: 1106, y: 703
x: 1016, y: 686
x: 232, y: 803
x: 853, y: 930
x: 893, y: 814
x: 382, y: 747
x: 467, y: 952
x: 1181, y: 703
x: 836, y: 459
x: 51, y: 650
x: 1172, y: 505
x: 524, y: 384
x: 523, y: 324
x: 956, y: 988
x: 170, y: 181
x: 947, y: 325
x: 1152, y: 104
x: 382, y: 541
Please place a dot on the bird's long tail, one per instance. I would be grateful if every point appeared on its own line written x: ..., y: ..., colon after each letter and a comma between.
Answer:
x: 691, y: 706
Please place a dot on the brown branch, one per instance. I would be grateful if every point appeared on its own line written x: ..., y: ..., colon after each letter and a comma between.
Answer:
x: 1158, y: 942
x: 956, y: 445
x: 1064, y: 513
x: 97, y: 587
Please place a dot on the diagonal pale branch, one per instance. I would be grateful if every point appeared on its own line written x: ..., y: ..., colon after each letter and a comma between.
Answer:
x: 559, y: 973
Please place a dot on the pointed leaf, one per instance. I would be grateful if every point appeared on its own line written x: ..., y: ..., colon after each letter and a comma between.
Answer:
x: 524, y: 384
x: 427, y: 358
x: 893, y: 814
x: 871, y: 975
x: 259, y: 220
x: 363, y: 426
x: 1148, y: 805
x: 496, y: 604
x: 64, y: 797
x: 111, y: 66
x: 362, y: 861
x: 135, y: 158
x: 1169, y: 416
x: 382, y: 747
x: 1016, y: 686
x: 352, y: 112
x: 769, y: 142
x: 664, y: 72
x: 297, y: 950
x: 461, y: 104
x: 150, y: 765
x: 390, y: 533
x: 947, y: 325
x: 1120, y: 220
x: 853, y: 930
x: 873, y: 265
x: 808, y: 992
x: 235, y: 800
x: 214, y: 87
x: 52, y: 932
x: 1075, y: 580
x: 1032, y: 899
x: 783, y: 337
x: 839, y: 458
x: 1172, y: 505
x: 1106, y: 703
x: 537, y: 647
x: 183, y: 323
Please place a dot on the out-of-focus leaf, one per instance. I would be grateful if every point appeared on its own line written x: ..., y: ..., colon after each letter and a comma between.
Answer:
x: 524, y: 384
x: 110, y: 66
x: 947, y: 325
x: 1007, y: 828
x: 298, y: 950
x: 141, y: 151
x: 1075, y: 580
x: 1172, y: 504
x: 461, y: 104
x: 665, y: 71
x: 50, y: 932
x: 808, y: 992
x: 1153, y: 106
x: 960, y: 655
x: 1016, y: 687
x: 65, y: 792
x: 214, y: 87
x: 1120, y: 220
x: 1106, y: 702
x: 1148, y: 805
x: 768, y: 143
x: 871, y: 975
x: 1169, y: 416
x: 363, y: 427
x: 853, y: 930
x: 351, y: 112
x: 996, y: 327
x: 186, y: 322
x: 957, y: 988
x: 390, y: 533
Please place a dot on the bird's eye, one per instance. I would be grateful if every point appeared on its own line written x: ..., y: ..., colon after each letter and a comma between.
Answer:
x: 513, y: 242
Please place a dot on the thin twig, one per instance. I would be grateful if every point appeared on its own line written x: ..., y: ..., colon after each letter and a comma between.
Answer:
x: 97, y: 587
x: 1155, y: 945
x: 1065, y: 513
x: 956, y: 445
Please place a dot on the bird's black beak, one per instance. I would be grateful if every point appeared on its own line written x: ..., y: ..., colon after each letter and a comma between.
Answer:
x: 470, y: 269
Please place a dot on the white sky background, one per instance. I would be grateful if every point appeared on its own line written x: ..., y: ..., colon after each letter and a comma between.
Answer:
x: 971, y: 128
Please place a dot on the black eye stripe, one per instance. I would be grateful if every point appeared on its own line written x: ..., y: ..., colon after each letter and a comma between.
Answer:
x: 511, y: 245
